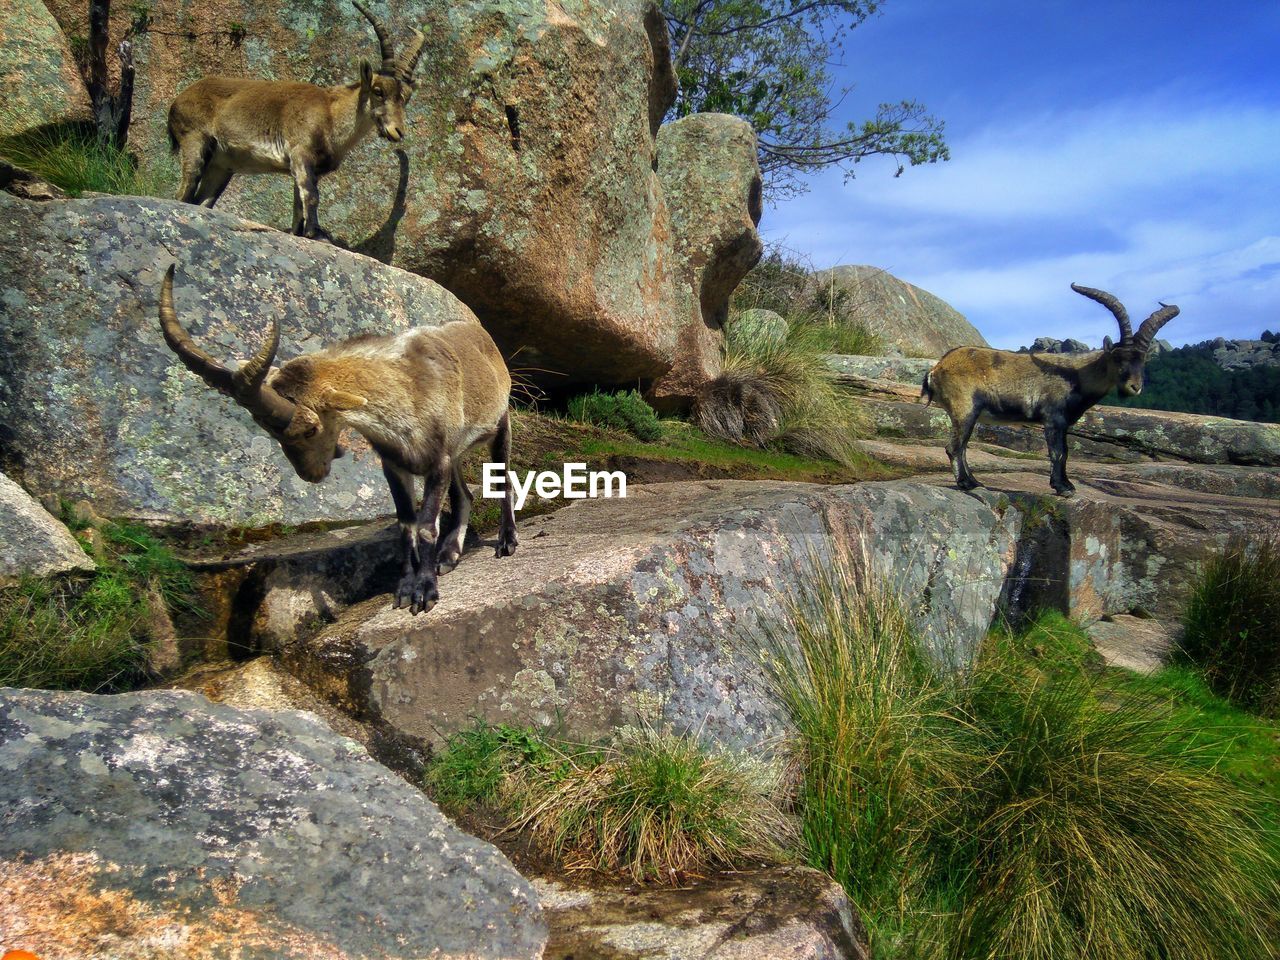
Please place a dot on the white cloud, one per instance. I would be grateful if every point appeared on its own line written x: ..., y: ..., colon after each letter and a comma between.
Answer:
x: 1160, y: 198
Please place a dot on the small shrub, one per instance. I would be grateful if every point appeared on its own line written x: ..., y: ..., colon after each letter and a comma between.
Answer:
x: 871, y: 740
x: 618, y: 411
x: 70, y: 157
x: 780, y: 393
x: 1232, y: 623
x: 659, y: 807
x: 652, y: 804
x: 89, y: 633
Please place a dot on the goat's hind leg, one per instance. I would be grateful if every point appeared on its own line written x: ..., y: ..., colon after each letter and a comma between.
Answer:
x: 958, y: 448
x: 193, y: 155
x: 1055, y: 435
x: 500, y: 452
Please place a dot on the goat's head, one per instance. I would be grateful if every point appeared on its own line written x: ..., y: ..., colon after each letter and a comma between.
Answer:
x: 301, y: 414
x: 1128, y: 358
x: 387, y: 90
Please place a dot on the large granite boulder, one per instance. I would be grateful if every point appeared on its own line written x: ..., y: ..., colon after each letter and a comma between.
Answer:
x: 41, y: 82
x: 158, y: 825
x: 711, y: 180
x: 94, y: 405
x: 901, y: 314
x: 526, y: 182
x: 33, y: 543
x: 648, y: 607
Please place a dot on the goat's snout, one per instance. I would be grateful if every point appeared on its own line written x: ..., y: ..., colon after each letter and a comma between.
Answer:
x: 393, y: 134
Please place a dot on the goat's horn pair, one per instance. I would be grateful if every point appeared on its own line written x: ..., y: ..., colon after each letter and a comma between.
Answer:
x: 247, y: 386
x: 385, y: 47
x: 1151, y: 326
x: 1112, y: 304
x: 403, y: 65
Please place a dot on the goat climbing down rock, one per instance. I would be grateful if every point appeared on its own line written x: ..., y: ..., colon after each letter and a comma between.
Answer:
x: 422, y: 399
x: 221, y: 126
x: 1054, y: 390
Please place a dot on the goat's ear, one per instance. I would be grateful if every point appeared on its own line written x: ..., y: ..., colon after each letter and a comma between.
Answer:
x: 366, y: 75
x: 1107, y: 344
x: 335, y: 399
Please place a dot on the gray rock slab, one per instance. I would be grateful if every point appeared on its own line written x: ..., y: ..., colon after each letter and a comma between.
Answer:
x: 32, y: 542
x: 785, y: 912
x: 157, y: 824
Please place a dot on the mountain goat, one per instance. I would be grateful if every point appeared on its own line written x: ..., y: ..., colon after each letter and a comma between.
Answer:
x: 221, y: 126
x: 1054, y: 390
x: 422, y: 399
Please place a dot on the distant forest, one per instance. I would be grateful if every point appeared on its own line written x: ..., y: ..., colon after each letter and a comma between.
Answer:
x: 1187, y: 379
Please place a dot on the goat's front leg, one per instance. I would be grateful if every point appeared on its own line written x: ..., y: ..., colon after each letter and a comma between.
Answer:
x: 425, y: 591
x: 500, y: 452
x: 307, y: 186
x: 1055, y: 435
x: 401, y: 483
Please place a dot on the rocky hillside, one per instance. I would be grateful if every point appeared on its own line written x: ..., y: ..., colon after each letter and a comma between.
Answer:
x: 904, y: 317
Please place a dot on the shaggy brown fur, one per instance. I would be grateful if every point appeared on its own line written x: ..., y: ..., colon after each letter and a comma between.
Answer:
x: 422, y: 399
x: 221, y: 126
x: 1054, y: 390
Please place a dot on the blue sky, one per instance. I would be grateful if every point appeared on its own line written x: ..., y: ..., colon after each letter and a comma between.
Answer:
x: 1125, y: 145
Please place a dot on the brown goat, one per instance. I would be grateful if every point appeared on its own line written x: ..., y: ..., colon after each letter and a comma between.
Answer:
x: 221, y: 126
x: 1050, y: 389
x: 422, y: 399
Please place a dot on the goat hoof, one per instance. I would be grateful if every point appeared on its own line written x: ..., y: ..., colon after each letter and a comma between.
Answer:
x: 447, y: 560
x: 1066, y: 492
x: 969, y: 484
x: 506, y: 547
x: 425, y: 596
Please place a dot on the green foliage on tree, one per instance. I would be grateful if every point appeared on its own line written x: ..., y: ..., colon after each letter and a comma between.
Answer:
x: 1188, y: 380
x: 768, y: 62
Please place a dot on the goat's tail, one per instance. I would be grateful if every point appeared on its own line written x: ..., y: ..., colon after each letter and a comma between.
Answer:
x: 173, y: 141
x: 926, y: 389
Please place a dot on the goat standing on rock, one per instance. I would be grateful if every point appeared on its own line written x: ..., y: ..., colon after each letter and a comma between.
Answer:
x: 221, y: 126
x: 422, y: 399
x: 1054, y: 390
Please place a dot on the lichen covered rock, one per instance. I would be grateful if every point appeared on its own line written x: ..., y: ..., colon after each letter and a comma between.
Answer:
x: 39, y: 77
x: 33, y: 543
x: 94, y: 405
x: 158, y: 825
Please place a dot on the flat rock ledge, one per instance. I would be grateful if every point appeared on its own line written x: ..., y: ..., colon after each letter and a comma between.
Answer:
x: 785, y: 912
x: 649, y: 608
x: 157, y: 825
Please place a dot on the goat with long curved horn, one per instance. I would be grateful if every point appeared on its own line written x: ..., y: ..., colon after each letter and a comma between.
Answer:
x: 385, y: 46
x: 421, y: 398
x: 1054, y: 390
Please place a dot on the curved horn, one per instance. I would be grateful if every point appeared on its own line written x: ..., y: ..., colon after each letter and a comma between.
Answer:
x: 384, y: 42
x: 1151, y: 326
x: 408, y: 60
x: 246, y: 386
x: 1112, y: 304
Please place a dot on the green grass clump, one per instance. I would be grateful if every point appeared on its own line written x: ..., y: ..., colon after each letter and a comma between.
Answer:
x: 90, y: 633
x: 651, y: 804
x: 1030, y: 808
x: 1232, y: 623
x: 618, y: 411
x: 476, y: 767
x: 1089, y: 825
x: 71, y: 157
